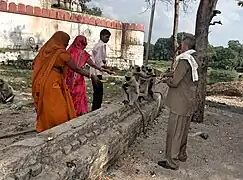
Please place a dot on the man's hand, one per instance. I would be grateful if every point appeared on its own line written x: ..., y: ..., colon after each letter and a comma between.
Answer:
x: 109, y: 71
x: 166, y: 74
x: 165, y: 79
x: 95, y: 79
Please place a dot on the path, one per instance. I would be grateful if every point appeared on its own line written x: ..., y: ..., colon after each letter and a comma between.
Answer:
x: 219, y: 157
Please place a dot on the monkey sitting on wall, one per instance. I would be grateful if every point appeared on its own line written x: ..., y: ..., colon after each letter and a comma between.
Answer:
x: 143, y: 81
x: 130, y: 94
x: 151, y: 85
x: 136, y: 72
x: 130, y: 89
x: 6, y: 92
x: 143, y: 68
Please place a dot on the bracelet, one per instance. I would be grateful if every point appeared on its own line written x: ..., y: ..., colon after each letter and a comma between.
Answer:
x: 90, y: 75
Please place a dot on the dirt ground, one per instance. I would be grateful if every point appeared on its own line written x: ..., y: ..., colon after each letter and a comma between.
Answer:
x: 16, y: 117
x: 219, y: 157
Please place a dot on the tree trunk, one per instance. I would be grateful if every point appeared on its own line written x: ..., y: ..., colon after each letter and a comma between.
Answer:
x: 204, y: 17
x: 175, y: 29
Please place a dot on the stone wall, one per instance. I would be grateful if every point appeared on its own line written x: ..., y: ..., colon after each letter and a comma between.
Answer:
x: 25, y: 27
x: 79, y: 149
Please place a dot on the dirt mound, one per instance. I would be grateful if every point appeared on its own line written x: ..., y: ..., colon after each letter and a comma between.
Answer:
x: 226, y: 89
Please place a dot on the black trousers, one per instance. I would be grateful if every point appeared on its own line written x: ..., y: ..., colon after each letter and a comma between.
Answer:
x: 97, y: 94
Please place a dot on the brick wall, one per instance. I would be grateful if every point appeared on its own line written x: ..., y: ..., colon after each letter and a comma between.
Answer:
x: 24, y: 24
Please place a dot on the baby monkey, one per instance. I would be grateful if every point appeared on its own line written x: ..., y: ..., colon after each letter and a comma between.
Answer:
x: 6, y: 92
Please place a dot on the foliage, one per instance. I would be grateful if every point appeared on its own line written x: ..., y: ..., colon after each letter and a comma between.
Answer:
x: 218, y: 75
x: 225, y: 58
x: 160, y: 65
x: 96, y: 11
x: 151, y: 50
x: 162, y: 49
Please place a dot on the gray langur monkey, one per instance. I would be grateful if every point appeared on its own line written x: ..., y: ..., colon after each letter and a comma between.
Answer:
x: 130, y: 89
x: 151, y: 84
x: 143, y: 80
x: 143, y: 68
x: 130, y: 94
x: 136, y: 72
x: 6, y: 92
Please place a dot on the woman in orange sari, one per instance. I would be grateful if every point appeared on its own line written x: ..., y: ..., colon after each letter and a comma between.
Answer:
x: 52, y: 100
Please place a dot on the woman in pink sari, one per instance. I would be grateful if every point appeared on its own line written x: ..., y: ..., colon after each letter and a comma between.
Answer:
x: 76, y: 82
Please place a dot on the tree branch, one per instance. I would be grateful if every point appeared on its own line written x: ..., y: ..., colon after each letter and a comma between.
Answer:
x: 215, y: 22
x: 148, y: 6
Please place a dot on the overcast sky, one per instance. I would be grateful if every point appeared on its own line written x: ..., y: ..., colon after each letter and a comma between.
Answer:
x: 130, y: 11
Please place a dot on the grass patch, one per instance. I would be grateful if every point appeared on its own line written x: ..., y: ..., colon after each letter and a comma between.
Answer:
x: 218, y: 75
x: 21, y: 80
x: 160, y: 65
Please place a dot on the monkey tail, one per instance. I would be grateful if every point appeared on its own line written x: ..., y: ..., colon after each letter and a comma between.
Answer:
x: 156, y: 112
x: 143, y: 116
x: 159, y: 103
x: 8, y: 135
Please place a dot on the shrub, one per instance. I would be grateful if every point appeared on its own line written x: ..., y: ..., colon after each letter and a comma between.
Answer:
x: 216, y: 76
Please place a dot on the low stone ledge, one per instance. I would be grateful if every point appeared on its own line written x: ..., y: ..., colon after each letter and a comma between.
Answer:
x: 79, y: 149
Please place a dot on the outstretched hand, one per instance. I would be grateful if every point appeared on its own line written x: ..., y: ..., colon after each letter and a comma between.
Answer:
x: 109, y: 71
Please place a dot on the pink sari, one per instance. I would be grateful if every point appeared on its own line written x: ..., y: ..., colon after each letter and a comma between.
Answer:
x: 74, y: 81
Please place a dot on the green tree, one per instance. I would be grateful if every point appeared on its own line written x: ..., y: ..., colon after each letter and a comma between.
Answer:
x: 151, y: 51
x: 212, y: 56
x: 225, y: 58
x: 163, y: 49
x: 237, y: 47
x: 96, y: 11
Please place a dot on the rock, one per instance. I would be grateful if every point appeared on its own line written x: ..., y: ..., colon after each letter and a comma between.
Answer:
x: 204, y: 135
x: 67, y: 149
x: 49, y: 138
x: 152, y: 173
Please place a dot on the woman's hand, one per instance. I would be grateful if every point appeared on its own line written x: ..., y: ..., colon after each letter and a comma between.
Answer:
x: 107, y: 70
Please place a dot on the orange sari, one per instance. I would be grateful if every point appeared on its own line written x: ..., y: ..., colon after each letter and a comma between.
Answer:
x: 52, y: 100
